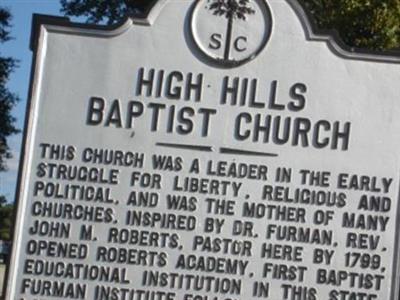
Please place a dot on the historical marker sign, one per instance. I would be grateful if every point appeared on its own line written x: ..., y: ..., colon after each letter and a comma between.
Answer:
x: 210, y: 150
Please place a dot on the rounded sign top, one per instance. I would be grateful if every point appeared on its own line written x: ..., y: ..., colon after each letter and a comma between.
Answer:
x: 231, y: 32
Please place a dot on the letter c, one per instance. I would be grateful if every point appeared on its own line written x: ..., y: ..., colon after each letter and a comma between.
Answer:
x: 237, y: 45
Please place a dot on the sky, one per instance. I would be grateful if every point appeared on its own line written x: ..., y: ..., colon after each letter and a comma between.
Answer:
x: 22, y: 11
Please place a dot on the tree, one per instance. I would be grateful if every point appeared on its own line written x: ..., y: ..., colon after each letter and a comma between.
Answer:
x: 6, y: 217
x: 231, y: 10
x: 6, y: 221
x: 371, y: 24
x: 7, y: 98
x: 3, y: 200
x: 102, y: 11
x: 7, y: 122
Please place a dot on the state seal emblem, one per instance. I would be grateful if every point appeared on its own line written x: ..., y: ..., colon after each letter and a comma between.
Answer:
x: 231, y: 32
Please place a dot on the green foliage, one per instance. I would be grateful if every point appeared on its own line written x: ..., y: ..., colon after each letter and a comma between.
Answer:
x: 371, y: 24
x: 3, y: 200
x: 7, y: 98
x: 7, y: 122
x: 6, y: 221
x: 102, y: 11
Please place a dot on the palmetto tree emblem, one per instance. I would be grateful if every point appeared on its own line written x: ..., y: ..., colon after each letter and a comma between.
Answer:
x: 231, y: 10
x: 229, y: 33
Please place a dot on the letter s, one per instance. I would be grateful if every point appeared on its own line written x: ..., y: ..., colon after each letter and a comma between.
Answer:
x: 215, y: 41
x: 297, y: 92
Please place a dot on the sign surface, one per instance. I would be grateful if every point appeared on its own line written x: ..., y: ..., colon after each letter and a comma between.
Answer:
x: 210, y: 150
